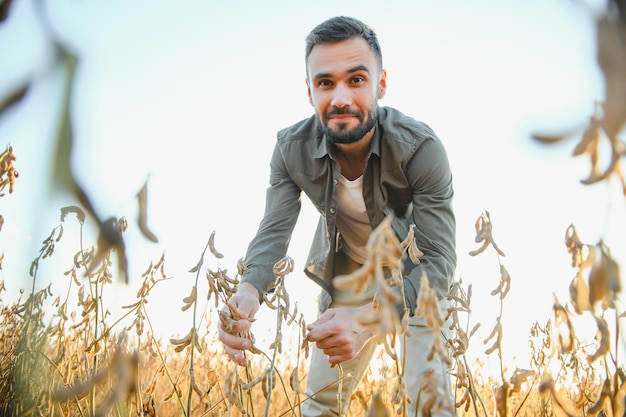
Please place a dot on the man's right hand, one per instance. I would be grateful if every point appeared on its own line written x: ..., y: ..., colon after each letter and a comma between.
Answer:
x: 245, y: 302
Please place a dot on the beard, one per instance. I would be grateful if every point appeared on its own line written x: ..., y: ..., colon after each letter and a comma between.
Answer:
x: 345, y: 135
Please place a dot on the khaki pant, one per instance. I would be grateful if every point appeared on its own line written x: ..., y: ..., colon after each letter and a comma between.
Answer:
x: 322, y: 385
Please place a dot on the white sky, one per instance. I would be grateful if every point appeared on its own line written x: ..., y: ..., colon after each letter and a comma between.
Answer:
x: 191, y: 93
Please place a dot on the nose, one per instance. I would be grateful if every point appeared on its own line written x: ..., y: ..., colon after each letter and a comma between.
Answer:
x: 341, y: 96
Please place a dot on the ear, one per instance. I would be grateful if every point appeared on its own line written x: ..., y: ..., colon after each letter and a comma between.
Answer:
x: 382, y: 84
x: 308, y: 91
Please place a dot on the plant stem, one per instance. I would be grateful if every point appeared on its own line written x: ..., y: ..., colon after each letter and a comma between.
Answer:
x: 194, y: 334
x: 340, y: 392
x: 163, y: 362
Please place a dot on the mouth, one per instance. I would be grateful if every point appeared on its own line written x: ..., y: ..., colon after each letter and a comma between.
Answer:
x: 342, y: 116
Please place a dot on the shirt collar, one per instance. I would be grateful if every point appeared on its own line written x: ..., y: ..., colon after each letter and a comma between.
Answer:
x: 324, y: 147
x: 377, y: 138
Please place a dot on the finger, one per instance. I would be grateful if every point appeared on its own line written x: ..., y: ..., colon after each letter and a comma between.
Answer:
x: 327, y: 316
x: 317, y: 334
x: 333, y: 348
x: 322, y: 327
x: 234, y: 346
x: 338, y: 354
x: 329, y: 329
x: 321, y: 332
x: 233, y: 340
x: 236, y: 356
x: 336, y: 359
x: 311, y: 336
x: 326, y: 344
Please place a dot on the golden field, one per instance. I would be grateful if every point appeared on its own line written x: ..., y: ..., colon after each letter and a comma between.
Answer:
x: 82, y: 363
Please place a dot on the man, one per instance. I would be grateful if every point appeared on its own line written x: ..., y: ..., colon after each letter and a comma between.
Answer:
x: 358, y: 163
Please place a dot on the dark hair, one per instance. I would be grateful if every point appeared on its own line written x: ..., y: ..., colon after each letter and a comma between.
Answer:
x: 341, y: 28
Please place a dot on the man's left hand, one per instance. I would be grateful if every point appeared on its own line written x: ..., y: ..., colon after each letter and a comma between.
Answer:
x: 338, y: 334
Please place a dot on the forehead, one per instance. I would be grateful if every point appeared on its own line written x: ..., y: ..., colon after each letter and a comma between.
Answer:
x: 339, y: 57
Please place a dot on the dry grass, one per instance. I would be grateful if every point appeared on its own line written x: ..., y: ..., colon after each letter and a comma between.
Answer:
x: 80, y: 363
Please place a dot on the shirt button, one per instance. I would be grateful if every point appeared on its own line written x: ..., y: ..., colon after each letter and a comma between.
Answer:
x: 335, y: 181
x: 332, y: 210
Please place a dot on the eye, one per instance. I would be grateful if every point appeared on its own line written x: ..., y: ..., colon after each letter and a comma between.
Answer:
x: 324, y: 83
x: 358, y: 80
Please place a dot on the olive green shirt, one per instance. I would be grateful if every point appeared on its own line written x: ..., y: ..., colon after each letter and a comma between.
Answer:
x: 407, y: 175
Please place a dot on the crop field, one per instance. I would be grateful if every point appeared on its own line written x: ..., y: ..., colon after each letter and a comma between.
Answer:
x: 57, y: 360
x: 69, y: 349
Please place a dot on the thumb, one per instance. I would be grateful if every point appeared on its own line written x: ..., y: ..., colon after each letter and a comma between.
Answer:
x: 324, y: 318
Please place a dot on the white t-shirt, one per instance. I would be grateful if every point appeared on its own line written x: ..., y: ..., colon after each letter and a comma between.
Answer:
x: 352, y: 219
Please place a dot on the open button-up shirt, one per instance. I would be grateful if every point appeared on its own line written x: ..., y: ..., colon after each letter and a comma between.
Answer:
x: 407, y: 175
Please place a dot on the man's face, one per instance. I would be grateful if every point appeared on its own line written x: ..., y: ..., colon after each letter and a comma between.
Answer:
x: 344, y: 85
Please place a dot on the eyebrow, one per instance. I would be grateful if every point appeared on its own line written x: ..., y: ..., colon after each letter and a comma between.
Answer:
x: 358, y: 68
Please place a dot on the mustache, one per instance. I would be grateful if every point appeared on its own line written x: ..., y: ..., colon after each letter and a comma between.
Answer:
x: 343, y: 110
